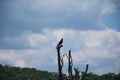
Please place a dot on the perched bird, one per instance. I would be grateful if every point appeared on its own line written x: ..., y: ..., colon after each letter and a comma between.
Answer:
x: 61, y: 41
x: 69, y: 51
x: 59, y: 45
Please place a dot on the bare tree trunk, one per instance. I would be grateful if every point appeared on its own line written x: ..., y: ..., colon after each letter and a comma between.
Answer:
x: 83, y: 75
x: 59, y: 66
x: 60, y: 60
x: 70, y: 64
x: 76, y: 74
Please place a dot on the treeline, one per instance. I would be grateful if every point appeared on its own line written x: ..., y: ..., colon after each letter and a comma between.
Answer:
x: 108, y: 76
x: 18, y: 73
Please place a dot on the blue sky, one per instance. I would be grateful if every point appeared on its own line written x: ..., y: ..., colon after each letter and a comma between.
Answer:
x: 30, y: 30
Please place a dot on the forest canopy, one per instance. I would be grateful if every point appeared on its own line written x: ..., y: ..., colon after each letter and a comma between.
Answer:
x: 17, y: 73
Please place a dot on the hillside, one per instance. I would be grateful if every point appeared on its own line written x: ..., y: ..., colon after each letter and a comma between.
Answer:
x: 18, y: 73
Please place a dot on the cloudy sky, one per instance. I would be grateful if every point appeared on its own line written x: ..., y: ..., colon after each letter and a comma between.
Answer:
x: 30, y: 30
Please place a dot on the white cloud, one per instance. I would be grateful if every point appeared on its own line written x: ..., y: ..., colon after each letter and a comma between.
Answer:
x: 35, y: 38
x: 87, y: 47
x: 5, y: 56
x: 54, y: 12
x: 20, y: 63
x: 108, y: 7
x: 28, y: 58
x: 78, y: 5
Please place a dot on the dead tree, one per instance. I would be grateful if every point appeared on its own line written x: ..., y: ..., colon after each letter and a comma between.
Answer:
x: 76, y: 77
x: 60, y: 60
x: 84, y: 73
x: 70, y: 64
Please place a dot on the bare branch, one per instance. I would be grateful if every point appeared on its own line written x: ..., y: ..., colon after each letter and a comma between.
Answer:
x: 82, y: 77
x: 60, y: 60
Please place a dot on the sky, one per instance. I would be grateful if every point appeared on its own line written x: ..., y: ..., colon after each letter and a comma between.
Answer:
x: 31, y: 29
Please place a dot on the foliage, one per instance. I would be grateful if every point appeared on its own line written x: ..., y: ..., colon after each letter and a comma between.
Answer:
x: 17, y: 73
x: 108, y: 76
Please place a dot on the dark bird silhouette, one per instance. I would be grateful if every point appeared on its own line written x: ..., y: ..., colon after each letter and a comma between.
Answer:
x: 69, y: 51
x: 61, y: 41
